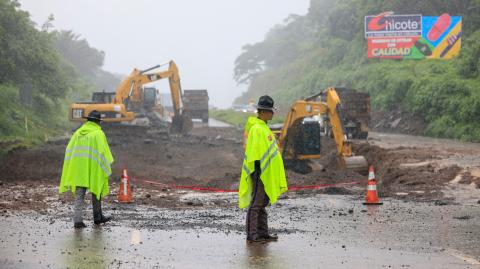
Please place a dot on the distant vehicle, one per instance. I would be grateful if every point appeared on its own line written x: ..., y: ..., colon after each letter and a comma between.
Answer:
x: 245, y: 108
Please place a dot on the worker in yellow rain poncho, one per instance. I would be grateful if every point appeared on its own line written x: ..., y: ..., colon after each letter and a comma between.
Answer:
x: 263, y: 175
x: 86, y: 167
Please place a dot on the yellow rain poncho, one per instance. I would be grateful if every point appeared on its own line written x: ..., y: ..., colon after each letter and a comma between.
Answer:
x: 87, y: 161
x: 261, y: 145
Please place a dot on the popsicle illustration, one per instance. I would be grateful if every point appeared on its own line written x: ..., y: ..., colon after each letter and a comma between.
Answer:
x: 451, y: 42
x: 439, y: 27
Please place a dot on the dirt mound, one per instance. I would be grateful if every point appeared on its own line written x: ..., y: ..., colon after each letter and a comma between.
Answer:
x: 212, y: 157
x: 147, y: 153
x: 406, y: 171
x: 41, y: 163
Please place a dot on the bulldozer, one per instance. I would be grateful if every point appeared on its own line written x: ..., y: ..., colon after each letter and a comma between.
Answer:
x: 132, y: 98
x: 299, y: 137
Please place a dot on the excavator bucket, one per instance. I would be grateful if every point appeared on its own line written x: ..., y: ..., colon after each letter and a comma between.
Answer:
x: 356, y: 163
x: 181, y: 124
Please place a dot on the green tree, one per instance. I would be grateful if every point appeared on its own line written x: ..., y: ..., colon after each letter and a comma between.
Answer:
x: 41, y: 72
x: 326, y: 47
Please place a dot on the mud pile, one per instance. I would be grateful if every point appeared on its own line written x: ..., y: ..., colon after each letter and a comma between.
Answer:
x: 212, y: 157
x: 409, y: 171
x: 146, y: 153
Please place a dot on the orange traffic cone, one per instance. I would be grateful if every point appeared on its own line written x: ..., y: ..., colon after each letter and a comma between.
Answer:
x: 125, y: 192
x: 372, y: 198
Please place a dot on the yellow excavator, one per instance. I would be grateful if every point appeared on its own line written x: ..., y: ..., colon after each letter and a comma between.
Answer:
x: 299, y: 138
x: 132, y: 96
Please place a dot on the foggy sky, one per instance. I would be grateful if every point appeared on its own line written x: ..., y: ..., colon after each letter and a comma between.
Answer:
x: 202, y: 37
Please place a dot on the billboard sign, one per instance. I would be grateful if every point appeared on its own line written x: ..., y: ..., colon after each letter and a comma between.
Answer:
x: 413, y: 36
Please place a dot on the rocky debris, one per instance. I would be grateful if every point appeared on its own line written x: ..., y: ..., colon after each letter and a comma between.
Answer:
x: 469, y: 177
x: 194, y: 203
x: 413, y: 182
x: 440, y: 202
x: 466, y: 217
x: 397, y: 121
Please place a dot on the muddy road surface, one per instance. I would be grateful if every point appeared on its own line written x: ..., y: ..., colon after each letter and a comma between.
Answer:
x: 429, y: 220
x: 315, y: 231
x: 421, y: 168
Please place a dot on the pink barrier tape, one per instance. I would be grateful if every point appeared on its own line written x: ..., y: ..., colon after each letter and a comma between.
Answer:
x: 207, y: 189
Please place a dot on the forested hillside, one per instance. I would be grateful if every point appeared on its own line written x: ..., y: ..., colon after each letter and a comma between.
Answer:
x: 326, y: 47
x: 41, y: 72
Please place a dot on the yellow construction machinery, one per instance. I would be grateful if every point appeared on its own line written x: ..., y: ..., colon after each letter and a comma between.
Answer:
x: 299, y: 138
x: 355, y: 111
x: 131, y: 96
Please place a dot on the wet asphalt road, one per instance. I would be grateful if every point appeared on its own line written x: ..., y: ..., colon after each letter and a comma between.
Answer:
x: 211, y: 123
x: 216, y: 123
x: 315, y: 230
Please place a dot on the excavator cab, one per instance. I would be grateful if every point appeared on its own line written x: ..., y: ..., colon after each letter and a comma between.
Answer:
x: 303, y: 140
x: 309, y: 139
x: 149, y: 97
x: 102, y: 97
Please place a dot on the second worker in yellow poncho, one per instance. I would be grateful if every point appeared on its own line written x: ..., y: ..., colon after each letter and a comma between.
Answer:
x: 263, y: 175
x: 86, y: 167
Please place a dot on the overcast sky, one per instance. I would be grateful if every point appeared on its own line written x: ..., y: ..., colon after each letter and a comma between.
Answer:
x: 202, y: 37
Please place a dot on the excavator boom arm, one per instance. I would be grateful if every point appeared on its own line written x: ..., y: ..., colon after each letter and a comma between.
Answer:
x: 131, y: 86
x: 345, y: 156
x: 175, y: 87
x: 344, y: 148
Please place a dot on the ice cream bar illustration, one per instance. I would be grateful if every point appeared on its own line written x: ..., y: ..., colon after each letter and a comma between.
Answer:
x: 439, y: 27
x: 451, y: 42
